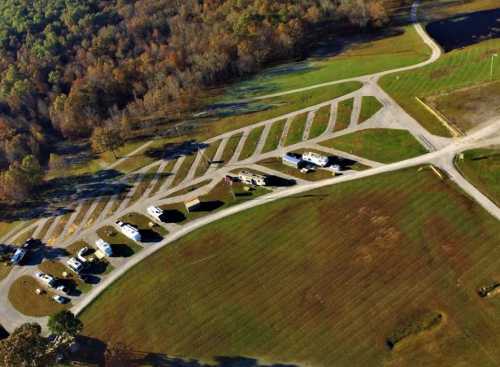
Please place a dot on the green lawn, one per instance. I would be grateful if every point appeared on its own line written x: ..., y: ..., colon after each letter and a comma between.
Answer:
x: 344, y: 112
x: 143, y: 223
x: 277, y: 165
x: 482, y: 168
x: 230, y: 147
x: 361, y: 58
x: 296, y: 131
x: 369, y: 106
x: 143, y: 184
x: 208, y: 156
x: 164, y: 175
x: 320, y: 122
x: 380, y: 145
x: 183, y: 170
x: 456, y: 69
x: 122, y: 246
x: 275, y: 133
x: 321, y: 279
x: 251, y: 143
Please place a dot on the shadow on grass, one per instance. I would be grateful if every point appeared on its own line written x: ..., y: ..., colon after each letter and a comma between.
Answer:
x: 150, y: 236
x: 43, y: 252
x: 122, y: 250
x: 171, y: 151
x: 207, y: 206
x: 93, y: 351
x: 277, y: 181
x: 172, y: 216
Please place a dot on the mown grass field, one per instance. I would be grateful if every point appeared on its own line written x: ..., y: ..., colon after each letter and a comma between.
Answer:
x: 275, y: 133
x: 230, y: 147
x: 321, y: 279
x: 320, y: 122
x: 359, y: 58
x: 380, y: 145
x: 370, y: 105
x: 481, y: 167
x: 296, y: 130
x: 344, y: 112
x: 456, y: 69
x: 277, y: 165
x: 208, y: 156
x: 251, y: 143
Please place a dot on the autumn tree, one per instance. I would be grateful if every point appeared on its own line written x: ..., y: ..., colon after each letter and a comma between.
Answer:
x: 106, y: 139
x: 65, y: 322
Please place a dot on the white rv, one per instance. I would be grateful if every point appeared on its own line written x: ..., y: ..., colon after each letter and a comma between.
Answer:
x: 249, y: 178
x: 129, y: 231
x: 75, y: 265
x: 155, y: 212
x: 315, y: 158
x: 104, y: 247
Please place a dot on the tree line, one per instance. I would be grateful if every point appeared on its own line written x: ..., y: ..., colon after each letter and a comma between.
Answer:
x: 73, y: 68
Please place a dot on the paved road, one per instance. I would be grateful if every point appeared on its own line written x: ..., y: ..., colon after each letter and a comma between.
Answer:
x: 391, y: 116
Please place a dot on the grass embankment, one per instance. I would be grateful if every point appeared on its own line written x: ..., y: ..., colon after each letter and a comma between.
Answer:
x: 344, y: 112
x: 360, y: 58
x: 380, y: 145
x: 251, y: 143
x: 24, y: 299
x: 348, y: 264
x: 454, y: 70
x: 274, y: 137
x: 320, y: 122
x: 220, y: 197
x: 370, y: 105
x: 481, y: 167
x: 296, y: 131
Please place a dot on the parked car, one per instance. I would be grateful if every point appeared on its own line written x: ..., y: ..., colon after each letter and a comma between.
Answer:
x: 18, y: 256
x: 60, y: 299
x: 46, y: 279
x: 63, y: 288
x: 75, y: 265
x: 104, y: 247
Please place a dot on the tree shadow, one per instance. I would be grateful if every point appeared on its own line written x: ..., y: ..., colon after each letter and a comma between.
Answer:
x: 207, y: 206
x: 172, y: 216
x: 43, y: 252
x: 121, y: 250
x: 343, y: 163
x: 171, y: 151
x: 277, y: 181
x: 150, y: 236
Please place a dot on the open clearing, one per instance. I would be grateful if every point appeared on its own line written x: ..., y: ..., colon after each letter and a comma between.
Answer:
x: 380, y: 145
x: 482, y: 168
x: 466, y: 108
x: 341, y: 270
x: 359, y: 56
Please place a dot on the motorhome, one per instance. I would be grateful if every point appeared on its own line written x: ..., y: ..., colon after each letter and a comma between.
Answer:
x: 129, y: 231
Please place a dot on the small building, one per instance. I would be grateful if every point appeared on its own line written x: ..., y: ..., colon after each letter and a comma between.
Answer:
x: 315, y: 158
x: 249, y: 178
x: 192, y: 204
x: 291, y: 161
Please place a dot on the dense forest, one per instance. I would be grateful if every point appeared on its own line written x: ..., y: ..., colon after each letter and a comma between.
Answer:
x: 72, y: 67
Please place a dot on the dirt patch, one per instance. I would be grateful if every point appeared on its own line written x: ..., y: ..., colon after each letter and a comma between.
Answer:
x: 467, y: 108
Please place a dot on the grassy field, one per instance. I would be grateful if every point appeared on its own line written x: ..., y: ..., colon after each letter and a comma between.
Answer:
x: 320, y: 122
x: 144, y: 182
x: 344, y: 112
x: 369, y: 106
x: 164, y: 175
x: 359, y: 58
x: 380, y: 145
x: 24, y: 299
x: 183, y: 170
x: 208, y: 154
x: 273, y: 139
x: 482, y: 168
x: 230, y: 147
x: 327, y: 291
x: 251, y: 143
x: 296, y: 131
x: 467, y: 108
x: 454, y: 70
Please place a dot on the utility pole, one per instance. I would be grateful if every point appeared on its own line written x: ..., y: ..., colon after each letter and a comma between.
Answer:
x: 491, y: 65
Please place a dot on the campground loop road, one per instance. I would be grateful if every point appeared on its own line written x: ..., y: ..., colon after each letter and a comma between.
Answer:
x: 391, y: 116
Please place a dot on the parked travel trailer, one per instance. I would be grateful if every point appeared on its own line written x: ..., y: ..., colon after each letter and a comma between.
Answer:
x: 315, y: 158
x: 155, y: 212
x: 75, y: 265
x: 291, y: 160
x: 104, y: 247
x: 18, y: 256
x: 129, y: 231
x: 249, y: 178
x: 192, y: 204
